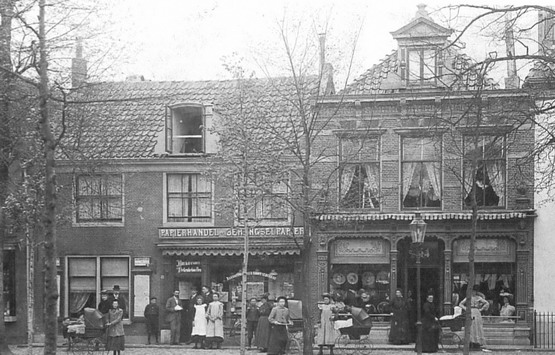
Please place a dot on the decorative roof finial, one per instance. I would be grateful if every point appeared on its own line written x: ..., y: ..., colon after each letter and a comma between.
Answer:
x: 422, y: 12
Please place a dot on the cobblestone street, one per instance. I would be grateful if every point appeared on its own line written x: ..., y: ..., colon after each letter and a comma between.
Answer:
x: 175, y: 350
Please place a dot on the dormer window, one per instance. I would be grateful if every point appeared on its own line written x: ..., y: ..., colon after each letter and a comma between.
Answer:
x: 421, y: 66
x: 185, y: 132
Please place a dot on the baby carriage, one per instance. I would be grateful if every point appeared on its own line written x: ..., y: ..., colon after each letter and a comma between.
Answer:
x: 87, y: 336
x: 354, y: 328
x: 451, y: 332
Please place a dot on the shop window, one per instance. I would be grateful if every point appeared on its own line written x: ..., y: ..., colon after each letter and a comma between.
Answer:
x: 185, y: 129
x: 494, y: 279
x: 88, y: 276
x: 99, y: 198
x: 488, y: 156
x: 359, y: 183
x: 421, y: 172
x: 9, y: 283
x: 350, y: 281
x: 189, y: 198
x: 421, y: 66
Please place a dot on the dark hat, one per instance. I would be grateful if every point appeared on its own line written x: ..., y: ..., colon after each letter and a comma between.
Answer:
x: 103, y: 292
x: 116, y: 288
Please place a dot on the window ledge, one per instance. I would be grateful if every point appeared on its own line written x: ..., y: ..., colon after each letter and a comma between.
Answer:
x: 98, y: 224
x: 187, y: 224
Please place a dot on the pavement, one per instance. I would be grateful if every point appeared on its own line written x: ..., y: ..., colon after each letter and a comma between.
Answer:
x: 187, y: 349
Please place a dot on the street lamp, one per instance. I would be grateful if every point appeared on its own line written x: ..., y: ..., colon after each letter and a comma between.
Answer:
x: 418, y: 233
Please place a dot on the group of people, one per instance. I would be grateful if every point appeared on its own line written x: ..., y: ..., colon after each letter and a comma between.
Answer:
x: 112, y: 307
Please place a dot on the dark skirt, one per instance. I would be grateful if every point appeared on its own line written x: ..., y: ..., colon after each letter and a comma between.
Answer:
x: 262, y: 332
x: 399, y: 332
x: 115, y: 343
x: 430, y: 337
x: 278, y: 340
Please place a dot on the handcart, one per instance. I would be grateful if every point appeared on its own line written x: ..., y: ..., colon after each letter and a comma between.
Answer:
x: 354, y: 328
x: 451, y: 333
x: 89, y: 336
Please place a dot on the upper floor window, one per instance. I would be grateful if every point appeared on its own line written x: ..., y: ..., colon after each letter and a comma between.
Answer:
x: 189, y: 198
x: 484, y: 163
x: 359, y: 183
x: 269, y: 206
x: 421, y: 172
x: 99, y: 198
x: 421, y: 66
x: 185, y: 132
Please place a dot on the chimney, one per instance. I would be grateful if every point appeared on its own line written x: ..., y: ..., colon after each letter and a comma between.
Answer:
x: 327, y: 86
x: 512, y: 81
x: 322, y: 38
x: 78, y: 65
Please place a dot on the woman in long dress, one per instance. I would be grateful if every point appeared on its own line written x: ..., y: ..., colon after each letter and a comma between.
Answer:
x: 263, y: 328
x: 199, y: 323
x: 116, y: 336
x: 430, y: 326
x: 399, y: 332
x: 215, y: 325
x: 279, y: 319
x: 326, y: 331
x: 477, y: 304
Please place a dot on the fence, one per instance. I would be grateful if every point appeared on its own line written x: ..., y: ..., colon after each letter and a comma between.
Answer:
x: 544, y: 330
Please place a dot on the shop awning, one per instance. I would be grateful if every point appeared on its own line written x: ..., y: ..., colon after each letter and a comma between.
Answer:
x: 426, y: 216
x: 223, y: 250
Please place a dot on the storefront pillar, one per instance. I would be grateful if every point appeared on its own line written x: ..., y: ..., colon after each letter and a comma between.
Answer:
x: 393, y: 279
x: 447, y: 284
x: 322, y: 258
x: 205, y: 267
x: 522, y: 258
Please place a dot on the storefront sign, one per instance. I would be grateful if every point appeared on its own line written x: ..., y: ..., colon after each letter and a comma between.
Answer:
x: 268, y: 232
x: 486, y: 250
x: 352, y: 251
x: 252, y: 273
x: 141, y: 261
x: 188, y: 266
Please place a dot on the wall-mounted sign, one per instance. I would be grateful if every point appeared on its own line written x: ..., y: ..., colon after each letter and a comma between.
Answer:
x: 360, y: 251
x: 142, y: 261
x: 266, y: 232
x: 188, y: 266
x: 252, y: 273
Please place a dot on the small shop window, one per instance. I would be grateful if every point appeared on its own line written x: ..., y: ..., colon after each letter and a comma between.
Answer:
x: 495, y: 281
x: 350, y: 281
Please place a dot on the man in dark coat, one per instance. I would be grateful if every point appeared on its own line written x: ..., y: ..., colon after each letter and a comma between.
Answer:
x: 115, y: 296
x: 104, y: 305
x: 152, y: 315
x: 173, y: 316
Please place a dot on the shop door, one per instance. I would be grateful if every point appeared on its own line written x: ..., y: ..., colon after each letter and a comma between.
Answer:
x: 430, y: 283
x: 186, y: 286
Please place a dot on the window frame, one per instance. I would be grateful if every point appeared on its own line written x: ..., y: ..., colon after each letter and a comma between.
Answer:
x: 167, y: 222
x: 421, y: 80
x: 77, y: 222
x: 170, y: 128
x: 98, y: 281
x: 359, y: 163
x: 503, y: 160
x: 259, y: 206
x: 438, y: 138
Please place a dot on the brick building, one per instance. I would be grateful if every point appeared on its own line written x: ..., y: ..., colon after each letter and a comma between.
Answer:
x: 406, y: 132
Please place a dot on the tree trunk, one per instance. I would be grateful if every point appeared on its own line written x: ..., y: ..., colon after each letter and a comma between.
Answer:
x: 6, y: 15
x: 49, y: 215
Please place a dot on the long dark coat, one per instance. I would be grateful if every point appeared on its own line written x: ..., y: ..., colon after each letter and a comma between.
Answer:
x: 399, y: 332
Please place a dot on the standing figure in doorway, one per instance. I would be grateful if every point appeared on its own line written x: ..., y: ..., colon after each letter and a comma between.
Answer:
x: 199, y: 323
x: 173, y: 316
x: 263, y: 328
x: 116, y: 337
x: 253, y: 314
x: 115, y: 296
x: 215, y: 326
x: 279, y: 320
x: 430, y: 326
x: 477, y: 304
x: 399, y: 332
x: 152, y: 315
x: 327, y: 334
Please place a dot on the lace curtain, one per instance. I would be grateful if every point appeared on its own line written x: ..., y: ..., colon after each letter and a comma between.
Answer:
x: 78, y: 300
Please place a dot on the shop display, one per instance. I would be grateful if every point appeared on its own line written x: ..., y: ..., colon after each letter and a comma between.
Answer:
x: 368, y: 279
x: 339, y: 278
x: 352, y: 278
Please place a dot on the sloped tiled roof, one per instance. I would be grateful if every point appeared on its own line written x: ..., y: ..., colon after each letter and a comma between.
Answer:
x: 124, y: 120
x: 385, y: 78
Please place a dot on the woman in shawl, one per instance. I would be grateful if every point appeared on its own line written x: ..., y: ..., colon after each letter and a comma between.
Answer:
x: 263, y: 328
x: 430, y: 326
x: 199, y: 323
x: 116, y: 338
x: 399, y: 332
x: 215, y: 326
x: 477, y: 304
x: 326, y: 331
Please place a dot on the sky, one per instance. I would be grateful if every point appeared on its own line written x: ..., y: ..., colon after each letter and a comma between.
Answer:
x: 170, y: 40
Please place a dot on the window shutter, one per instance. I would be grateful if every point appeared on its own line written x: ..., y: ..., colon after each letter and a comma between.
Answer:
x: 169, y: 130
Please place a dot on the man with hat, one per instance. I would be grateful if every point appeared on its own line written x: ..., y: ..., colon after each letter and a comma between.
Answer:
x: 104, y: 305
x: 115, y: 296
